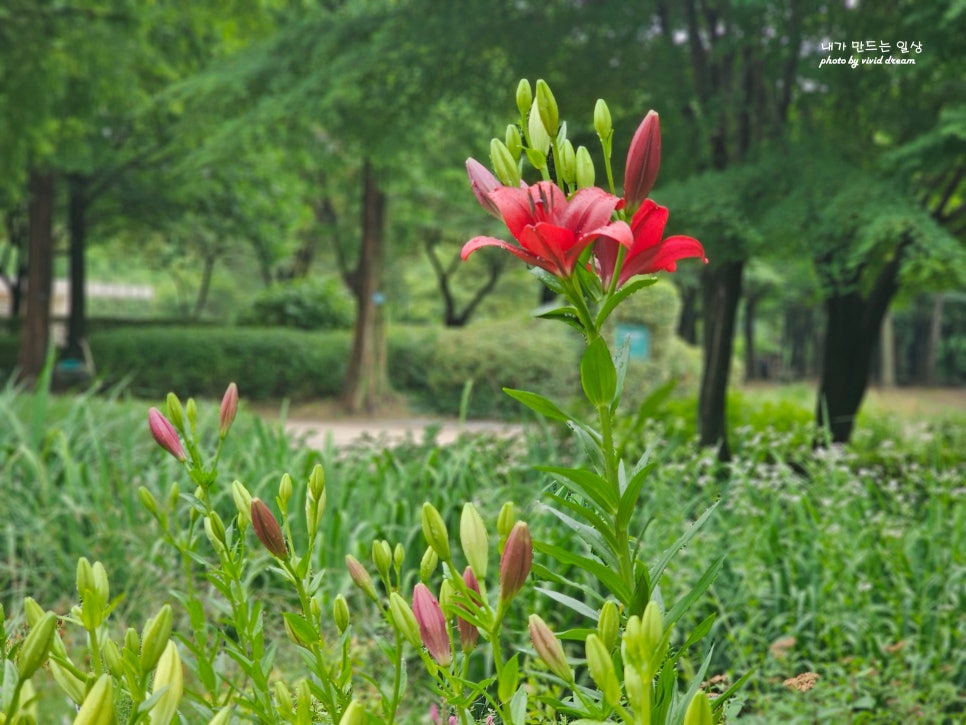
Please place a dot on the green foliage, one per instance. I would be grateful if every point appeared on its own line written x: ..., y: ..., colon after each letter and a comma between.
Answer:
x: 305, y: 304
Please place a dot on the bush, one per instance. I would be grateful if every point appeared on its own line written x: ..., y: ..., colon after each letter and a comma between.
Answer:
x: 305, y: 304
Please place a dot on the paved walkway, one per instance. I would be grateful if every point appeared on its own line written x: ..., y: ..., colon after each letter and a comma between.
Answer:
x: 338, y: 433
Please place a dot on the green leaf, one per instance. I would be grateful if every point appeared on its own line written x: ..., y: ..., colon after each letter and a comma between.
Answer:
x: 596, y: 522
x: 630, y: 495
x: 591, y: 536
x: 700, y: 631
x: 682, y: 541
x: 620, y: 295
x: 598, y: 376
x: 698, y: 590
x: 585, y: 483
x: 538, y: 404
x: 621, y: 361
x: 607, y: 576
x: 518, y: 707
x: 569, y: 602
x: 508, y: 679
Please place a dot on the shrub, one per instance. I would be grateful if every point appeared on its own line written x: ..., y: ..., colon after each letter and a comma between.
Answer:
x: 305, y: 304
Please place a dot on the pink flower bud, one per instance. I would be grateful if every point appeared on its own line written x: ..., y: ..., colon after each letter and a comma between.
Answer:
x: 432, y: 624
x: 516, y: 561
x: 165, y: 434
x: 229, y: 406
x: 361, y: 577
x: 549, y: 649
x: 483, y: 182
x: 469, y: 634
x: 643, y: 161
x: 267, y: 529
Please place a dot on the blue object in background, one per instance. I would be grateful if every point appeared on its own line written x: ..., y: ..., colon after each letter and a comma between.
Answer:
x: 640, y: 339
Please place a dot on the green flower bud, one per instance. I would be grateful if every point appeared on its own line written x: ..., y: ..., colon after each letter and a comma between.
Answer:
x: 404, y: 620
x: 524, y: 96
x: 283, y: 701
x: 434, y: 529
x: 504, y: 164
x: 98, y: 707
x: 567, y: 164
x: 361, y: 577
x: 602, y: 120
x: 355, y: 714
x: 652, y: 631
x: 538, y: 134
x: 638, y: 693
x: 474, y: 540
x: 549, y: 649
x: 303, y: 700
x: 223, y: 716
x: 699, y: 711
x: 36, y: 646
x: 191, y: 413
x: 154, y: 638
x: 601, y: 667
x: 112, y: 658
x: 340, y: 613
x: 73, y: 686
x: 175, y: 412
x: 547, y: 107
x: 132, y: 642
x: 174, y: 493
x: 284, y: 491
x: 317, y: 482
x: 608, y: 624
x: 84, y: 577
x: 32, y: 611
x: 243, y: 503
x: 148, y: 501
x: 213, y: 520
x: 504, y: 522
x: 382, y: 558
x: 428, y: 564
x: 168, y: 676
x: 398, y: 556
x: 313, y: 514
x: 585, y: 168
x: 514, y: 142
x: 447, y: 595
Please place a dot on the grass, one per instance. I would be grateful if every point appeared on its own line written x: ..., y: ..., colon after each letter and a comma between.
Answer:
x: 850, y: 565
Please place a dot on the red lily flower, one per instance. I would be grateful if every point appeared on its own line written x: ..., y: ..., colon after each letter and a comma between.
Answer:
x: 552, y: 231
x: 649, y: 252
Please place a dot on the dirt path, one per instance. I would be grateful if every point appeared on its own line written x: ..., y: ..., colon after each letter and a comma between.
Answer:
x: 320, y: 434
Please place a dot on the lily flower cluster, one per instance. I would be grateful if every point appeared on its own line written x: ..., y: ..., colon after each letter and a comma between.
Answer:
x: 555, y: 221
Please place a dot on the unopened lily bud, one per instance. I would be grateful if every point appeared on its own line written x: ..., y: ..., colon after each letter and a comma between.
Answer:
x: 165, y: 434
x: 505, y: 166
x: 699, y: 711
x: 361, y: 577
x: 284, y: 491
x: 405, y: 620
x: 243, y: 503
x: 539, y: 135
x: 74, y: 687
x: 524, y: 96
x: 643, y: 161
x: 223, y: 716
x: 513, y: 140
x: 33, y: 612
x: 283, y: 701
x: 382, y: 558
x: 148, y: 501
x: 154, y: 638
x: 170, y: 676
x: 432, y: 625
x: 602, y: 121
x: 217, y: 526
x: 637, y: 693
x: 267, y: 529
x: 549, y: 649
x: 112, y: 658
x: 469, y: 634
x: 601, y: 667
x: 340, y: 613
x: 428, y: 564
x: 434, y: 529
x: 174, y: 493
x: 547, y: 107
x: 567, y: 163
x: 585, y: 168
x: 36, y: 646
x: 482, y: 182
x: 474, y: 540
x: 132, y: 642
x: 191, y: 412
x: 84, y: 577
x: 447, y: 594
x: 98, y: 707
x: 355, y: 714
x: 608, y: 624
x: 303, y: 699
x: 317, y: 482
x: 504, y: 522
x: 313, y: 515
x: 229, y: 407
x: 652, y: 630
x: 101, y: 584
x: 175, y: 411
x: 516, y: 561
x: 398, y: 556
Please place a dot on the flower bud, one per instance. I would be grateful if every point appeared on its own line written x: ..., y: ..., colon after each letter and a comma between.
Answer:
x: 36, y: 646
x: 547, y: 107
x: 434, y: 529
x: 170, y: 676
x: 643, y: 161
x: 243, y: 502
x: 355, y: 714
x: 382, y: 558
x: 175, y: 411
x: 303, y: 701
x: 148, y: 501
x: 398, y: 556
x: 165, y: 434
x: 539, y: 135
x: 403, y: 618
x: 504, y: 522
x: 469, y: 634
x: 361, y: 577
x: 524, y: 96
x: 514, y: 143
x: 638, y: 694
x: 33, y: 612
x: 652, y: 630
x: 223, y: 716
x: 602, y: 120
x: 317, y: 482
x: 284, y: 491
x: 340, y: 613
x: 84, y: 577
x: 428, y: 564
x: 174, y: 493
x: 585, y: 168
x: 516, y: 561
x: 216, y: 526
x: 283, y: 701
x: 447, y: 594
x: 432, y: 625
x: 112, y: 658
x: 474, y: 539
x: 154, y: 638
x: 699, y: 710
x: 267, y: 529
x: 567, y: 163
x: 601, y: 667
x: 505, y: 166
x: 608, y: 624
x: 132, y: 642
x: 72, y: 685
x: 549, y: 649
x: 229, y: 407
x: 98, y: 707
x: 191, y: 412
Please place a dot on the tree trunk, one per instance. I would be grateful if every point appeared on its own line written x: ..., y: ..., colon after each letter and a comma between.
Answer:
x: 207, y: 272
x: 366, y: 381
x: 35, y: 333
x: 722, y: 290
x: 77, y: 224
x: 935, y: 334
x: 887, y: 377
x: 688, y: 321
x: 751, y: 364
